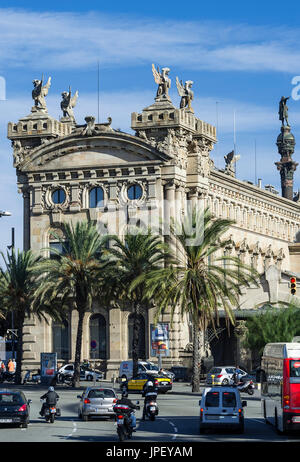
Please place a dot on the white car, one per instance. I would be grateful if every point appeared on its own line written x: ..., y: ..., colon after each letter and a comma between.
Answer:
x: 85, y: 372
x: 221, y: 407
x: 222, y: 375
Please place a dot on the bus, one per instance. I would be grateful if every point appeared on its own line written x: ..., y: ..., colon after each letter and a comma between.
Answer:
x: 280, y: 386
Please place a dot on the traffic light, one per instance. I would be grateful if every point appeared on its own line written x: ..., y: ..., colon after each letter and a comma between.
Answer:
x: 293, y: 285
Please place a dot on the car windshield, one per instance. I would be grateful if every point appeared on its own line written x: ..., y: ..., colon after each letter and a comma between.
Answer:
x: 212, y: 399
x: 229, y: 399
x: 101, y: 393
x: 215, y: 370
x: 10, y: 399
x: 151, y: 367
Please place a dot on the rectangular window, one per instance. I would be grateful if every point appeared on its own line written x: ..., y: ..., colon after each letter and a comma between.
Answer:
x: 60, y: 247
x: 229, y: 399
x: 212, y: 399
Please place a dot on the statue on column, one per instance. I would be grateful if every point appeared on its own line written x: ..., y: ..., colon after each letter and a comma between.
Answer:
x: 187, y: 95
x: 163, y: 82
x: 68, y: 103
x: 283, y: 110
x: 39, y: 92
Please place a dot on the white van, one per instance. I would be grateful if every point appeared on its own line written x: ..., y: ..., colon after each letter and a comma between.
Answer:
x: 221, y: 407
x: 126, y: 368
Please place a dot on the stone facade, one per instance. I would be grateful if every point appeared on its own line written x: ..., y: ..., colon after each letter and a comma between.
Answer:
x: 169, y: 159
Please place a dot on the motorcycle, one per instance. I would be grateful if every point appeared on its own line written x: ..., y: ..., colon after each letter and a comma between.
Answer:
x: 151, y: 406
x: 124, y: 428
x: 50, y: 412
x: 65, y: 378
x: 245, y: 387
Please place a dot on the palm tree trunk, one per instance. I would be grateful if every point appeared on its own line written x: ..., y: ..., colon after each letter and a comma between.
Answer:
x: 135, y: 340
x: 196, y: 358
x: 76, y: 376
x: 19, y: 359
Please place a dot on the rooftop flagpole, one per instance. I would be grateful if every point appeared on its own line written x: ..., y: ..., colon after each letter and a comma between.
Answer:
x: 234, y: 139
x: 98, y: 92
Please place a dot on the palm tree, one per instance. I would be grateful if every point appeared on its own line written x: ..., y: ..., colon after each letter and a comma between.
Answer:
x: 74, y: 277
x: 197, y: 284
x: 131, y: 261
x: 18, y: 283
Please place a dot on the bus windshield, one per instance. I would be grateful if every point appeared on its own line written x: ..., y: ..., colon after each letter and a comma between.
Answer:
x: 294, y: 368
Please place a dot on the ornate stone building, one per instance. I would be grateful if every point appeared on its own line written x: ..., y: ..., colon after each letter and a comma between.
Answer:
x: 68, y: 172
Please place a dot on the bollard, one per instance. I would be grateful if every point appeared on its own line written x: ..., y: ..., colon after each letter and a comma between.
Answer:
x: 212, y: 380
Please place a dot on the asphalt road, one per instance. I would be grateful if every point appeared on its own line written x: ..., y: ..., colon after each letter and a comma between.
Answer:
x: 178, y: 421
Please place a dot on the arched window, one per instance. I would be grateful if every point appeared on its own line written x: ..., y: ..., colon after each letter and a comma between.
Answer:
x: 60, y: 340
x: 98, y: 333
x: 96, y: 197
x: 142, y: 336
x: 134, y: 192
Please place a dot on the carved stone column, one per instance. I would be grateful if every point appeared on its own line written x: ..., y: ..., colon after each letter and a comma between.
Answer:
x: 169, y: 209
x: 26, y: 218
x: 193, y: 196
x: 116, y: 352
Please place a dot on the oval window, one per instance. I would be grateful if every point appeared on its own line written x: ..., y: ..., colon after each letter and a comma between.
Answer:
x: 58, y: 196
x: 134, y: 192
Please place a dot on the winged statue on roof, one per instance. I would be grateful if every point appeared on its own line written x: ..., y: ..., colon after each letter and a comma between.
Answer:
x: 163, y: 81
x: 186, y: 93
x: 39, y: 92
x: 68, y: 103
x: 230, y: 159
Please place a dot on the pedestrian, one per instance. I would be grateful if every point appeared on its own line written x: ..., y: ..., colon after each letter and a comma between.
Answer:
x: 237, y: 375
x: 10, y: 366
x: 3, y: 368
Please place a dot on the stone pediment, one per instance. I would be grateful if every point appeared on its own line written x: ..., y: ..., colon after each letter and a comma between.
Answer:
x: 103, y: 150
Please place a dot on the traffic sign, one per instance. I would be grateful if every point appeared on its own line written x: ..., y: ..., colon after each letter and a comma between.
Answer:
x: 93, y: 344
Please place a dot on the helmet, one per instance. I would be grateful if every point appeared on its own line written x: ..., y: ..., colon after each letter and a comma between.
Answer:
x: 51, y: 389
x: 124, y: 394
x: 149, y: 383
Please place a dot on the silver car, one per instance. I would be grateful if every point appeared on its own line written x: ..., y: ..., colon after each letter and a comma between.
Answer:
x: 221, y: 375
x: 96, y: 402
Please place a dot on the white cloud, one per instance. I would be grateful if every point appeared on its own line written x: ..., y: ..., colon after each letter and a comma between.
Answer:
x: 77, y: 41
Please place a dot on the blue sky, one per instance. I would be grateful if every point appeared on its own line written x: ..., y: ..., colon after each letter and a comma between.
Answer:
x: 241, y: 57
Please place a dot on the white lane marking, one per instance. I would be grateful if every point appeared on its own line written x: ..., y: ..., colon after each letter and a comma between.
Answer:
x: 259, y: 421
x: 174, y: 428
x: 74, y: 429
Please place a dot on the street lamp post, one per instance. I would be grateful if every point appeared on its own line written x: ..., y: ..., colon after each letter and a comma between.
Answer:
x: 12, y: 247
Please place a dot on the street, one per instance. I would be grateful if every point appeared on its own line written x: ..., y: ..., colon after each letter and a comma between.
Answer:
x: 178, y: 421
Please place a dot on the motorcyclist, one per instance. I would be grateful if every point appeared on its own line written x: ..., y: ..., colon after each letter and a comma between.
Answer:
x: 125, y: 400
x: 51, y: 398
x: 149, y: 391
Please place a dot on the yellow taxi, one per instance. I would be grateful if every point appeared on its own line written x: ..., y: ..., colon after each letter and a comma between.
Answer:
x: 137, y: 383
